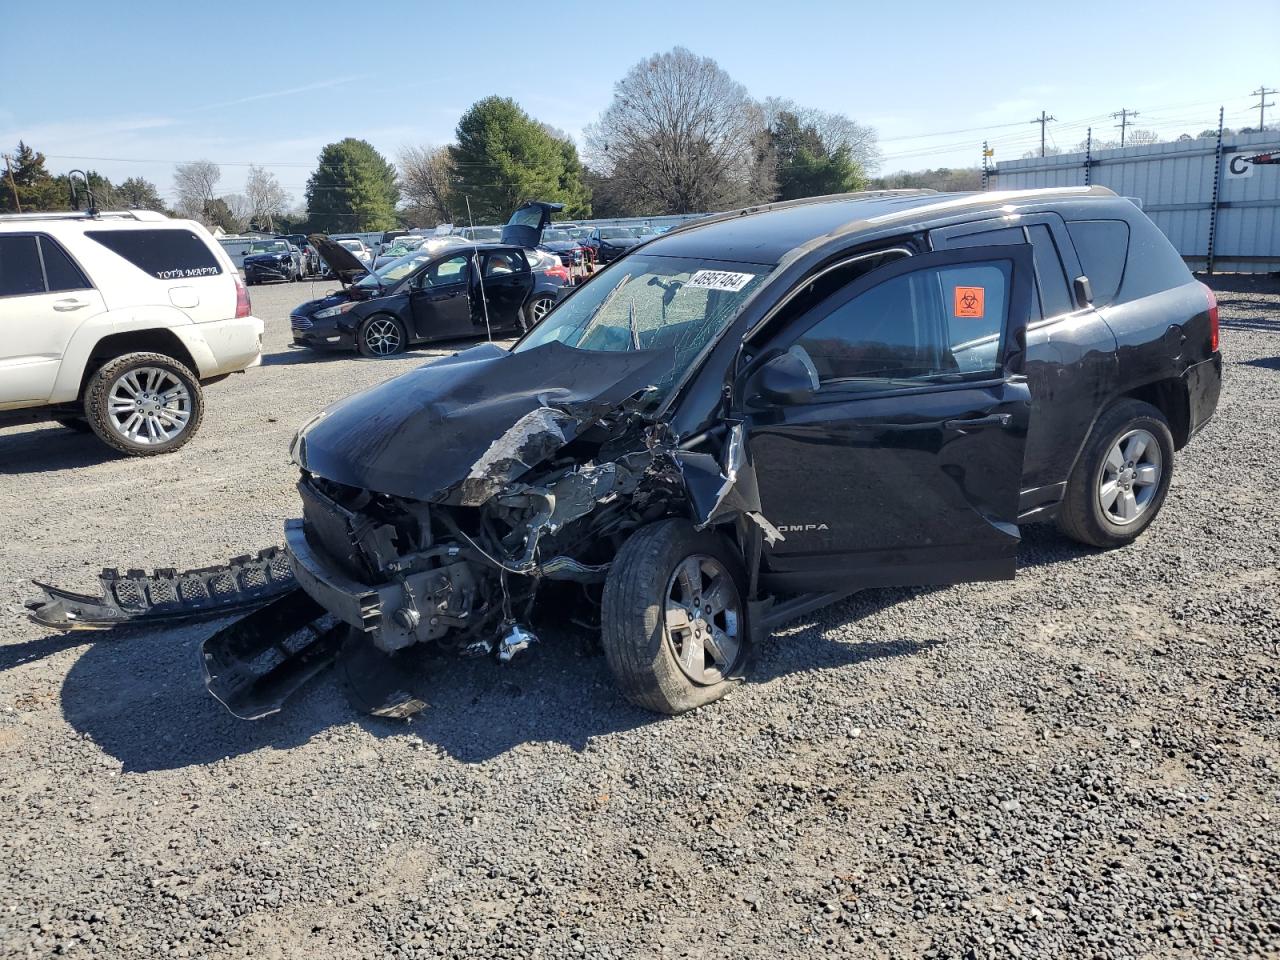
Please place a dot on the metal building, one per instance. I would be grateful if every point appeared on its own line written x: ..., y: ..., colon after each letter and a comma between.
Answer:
x: 1218, y: 207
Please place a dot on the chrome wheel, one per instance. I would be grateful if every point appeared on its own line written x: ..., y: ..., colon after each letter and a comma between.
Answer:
x: 541, y: 307
x: 703, y: 619
x: 1129, y: 477
x: 382, y: 337
x: 149, y: 406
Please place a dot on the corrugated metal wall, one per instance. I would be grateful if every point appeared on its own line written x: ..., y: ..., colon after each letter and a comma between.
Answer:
x: 1174, y: 183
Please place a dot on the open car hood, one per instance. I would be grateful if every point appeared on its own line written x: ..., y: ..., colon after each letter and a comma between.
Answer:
x: 525, y: 227
x: 346, y: 266
x: 459, y: 429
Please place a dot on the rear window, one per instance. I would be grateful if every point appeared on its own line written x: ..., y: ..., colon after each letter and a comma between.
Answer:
x: 164, y: 254
x: 1103, y: 248
x: 60, y: 271
x: 19, y: 267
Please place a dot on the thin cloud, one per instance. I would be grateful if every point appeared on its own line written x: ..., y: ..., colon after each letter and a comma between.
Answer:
x: 271, y: 95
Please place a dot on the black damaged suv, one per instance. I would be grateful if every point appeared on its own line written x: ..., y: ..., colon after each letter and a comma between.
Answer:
x: 756, y: 413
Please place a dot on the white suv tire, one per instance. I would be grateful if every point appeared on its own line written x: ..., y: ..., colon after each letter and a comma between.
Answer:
x: 144, y: 404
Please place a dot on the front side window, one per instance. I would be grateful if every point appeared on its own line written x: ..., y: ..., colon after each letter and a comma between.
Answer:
x: 164, y: 254
x: 930, y: 325
x: 453, y: 270
x: 19, y: 267
x: 1051, y: 279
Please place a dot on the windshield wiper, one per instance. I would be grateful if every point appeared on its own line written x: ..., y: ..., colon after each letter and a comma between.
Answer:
x: 631, y: 324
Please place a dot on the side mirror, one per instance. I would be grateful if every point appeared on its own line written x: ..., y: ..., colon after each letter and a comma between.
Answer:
x: 785, y: 379
x: 1083, y: 290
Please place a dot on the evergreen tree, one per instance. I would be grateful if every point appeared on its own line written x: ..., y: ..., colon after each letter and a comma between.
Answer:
x: 353, y: 189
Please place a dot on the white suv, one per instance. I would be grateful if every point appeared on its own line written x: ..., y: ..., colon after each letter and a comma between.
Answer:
x: 111, y: 322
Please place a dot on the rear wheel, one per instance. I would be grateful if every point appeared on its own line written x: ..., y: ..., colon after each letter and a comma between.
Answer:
x: 144, y: 404
x: 1120, y: 481
x: 539, y: 308
x: 382, y: 336
x: 674, y: 619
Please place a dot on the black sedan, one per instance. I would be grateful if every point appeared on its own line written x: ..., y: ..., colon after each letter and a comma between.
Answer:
x: 610, y: 243
x: 272, y: 260
x: 481, y: 290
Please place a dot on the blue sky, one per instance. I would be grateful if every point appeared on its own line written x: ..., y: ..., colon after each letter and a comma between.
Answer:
x: 146, y: 84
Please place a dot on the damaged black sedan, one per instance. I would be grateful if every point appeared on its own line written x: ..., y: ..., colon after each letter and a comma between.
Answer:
x: 745, y: 418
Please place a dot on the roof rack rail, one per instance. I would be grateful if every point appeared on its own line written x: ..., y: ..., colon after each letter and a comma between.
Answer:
x: 84, y: 215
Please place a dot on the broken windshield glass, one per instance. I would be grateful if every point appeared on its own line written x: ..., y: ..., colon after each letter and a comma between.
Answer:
x: 648, y: 302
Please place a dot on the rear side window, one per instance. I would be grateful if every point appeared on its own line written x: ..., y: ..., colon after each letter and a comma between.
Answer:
x: 1051, y: 279
x: 163, y: 254
x: 19, y: 267
x: 1103, y: 249
x: 59, y: 269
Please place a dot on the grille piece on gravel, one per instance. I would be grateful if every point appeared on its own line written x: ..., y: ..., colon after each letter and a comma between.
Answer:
x: 135, y: 597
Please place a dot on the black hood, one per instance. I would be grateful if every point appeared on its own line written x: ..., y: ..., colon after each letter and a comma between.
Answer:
x: 462, y: 427
x: 525, y: 227
x: 621, y: 243
x: 346, y: 266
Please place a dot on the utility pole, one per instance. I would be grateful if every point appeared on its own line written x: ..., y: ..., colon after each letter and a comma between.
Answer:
x: 1124, y: 115
x: 1261, y: 93
x: 1043, y: 119
x: 12, y: 185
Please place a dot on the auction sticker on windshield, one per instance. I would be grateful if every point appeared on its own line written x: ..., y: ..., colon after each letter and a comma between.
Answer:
x: 720, y: 280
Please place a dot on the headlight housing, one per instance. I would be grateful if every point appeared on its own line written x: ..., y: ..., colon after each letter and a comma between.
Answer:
x: 334, y: 311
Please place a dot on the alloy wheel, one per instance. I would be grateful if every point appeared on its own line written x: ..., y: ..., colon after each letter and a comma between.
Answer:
x: 382, y: 337
x: 1129, y: 477
x: 149, y: 405
x: 541, y: 307
x: 703, y: 619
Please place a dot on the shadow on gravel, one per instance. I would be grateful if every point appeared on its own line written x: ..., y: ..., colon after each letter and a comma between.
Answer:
x: 141, y: 698
x: 1263, y: 326
x: 51, y: 448
x: 1267, y: 363
x: 16, y: 654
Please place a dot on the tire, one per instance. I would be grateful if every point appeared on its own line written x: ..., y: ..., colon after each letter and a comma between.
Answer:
x: 78, y: 424
x: 642, y: 651
x: 1108, y: 502
x: 539, y: 307
x: 161, y: 426
x: 382, y: 335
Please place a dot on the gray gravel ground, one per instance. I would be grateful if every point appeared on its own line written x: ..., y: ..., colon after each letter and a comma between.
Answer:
x: 1081, y: 763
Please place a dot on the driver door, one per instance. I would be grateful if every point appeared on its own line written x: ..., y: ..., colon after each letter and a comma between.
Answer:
x: 899, y: 462
x: 440, y: 299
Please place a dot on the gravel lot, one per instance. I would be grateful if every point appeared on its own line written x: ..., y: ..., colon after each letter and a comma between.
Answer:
x: 1081, y: 763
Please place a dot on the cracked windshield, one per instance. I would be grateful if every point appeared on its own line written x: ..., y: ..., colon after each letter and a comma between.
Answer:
x: 652, y: 303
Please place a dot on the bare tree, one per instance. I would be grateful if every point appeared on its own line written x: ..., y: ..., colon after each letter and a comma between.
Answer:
x: 265, y: 198
x: 240, y: 212
x: 834, y: 129
x: 426, y: 176
x: 194, y: 184
x: 1141, y: 138
x: 682, y: 136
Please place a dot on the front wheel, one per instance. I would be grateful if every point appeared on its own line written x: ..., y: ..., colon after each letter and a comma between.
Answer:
x: 382, y: 336
x: 144, y: 404
x: 1120, y: 481
x: 674, y: 619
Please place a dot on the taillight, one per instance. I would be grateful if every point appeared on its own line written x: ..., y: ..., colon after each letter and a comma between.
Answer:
x: 1213, y: 318
x: 560, y: 273
x: 243, y: 307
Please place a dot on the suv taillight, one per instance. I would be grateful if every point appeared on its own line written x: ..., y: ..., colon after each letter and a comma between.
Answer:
x: 1213, y: 318
x: 243, y: 307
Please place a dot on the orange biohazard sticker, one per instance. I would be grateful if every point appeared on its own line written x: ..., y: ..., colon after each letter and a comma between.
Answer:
x: 970, y: 302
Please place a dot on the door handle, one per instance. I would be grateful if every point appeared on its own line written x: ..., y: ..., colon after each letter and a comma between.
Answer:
x: 63, y: 306
x: 992, y: 420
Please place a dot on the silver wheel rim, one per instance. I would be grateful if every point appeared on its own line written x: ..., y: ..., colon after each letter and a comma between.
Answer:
x: 1129, y: 477
x: 382, y: 337
x: 703, y: 619
x: 149, y: 406
x: 541, y: 307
